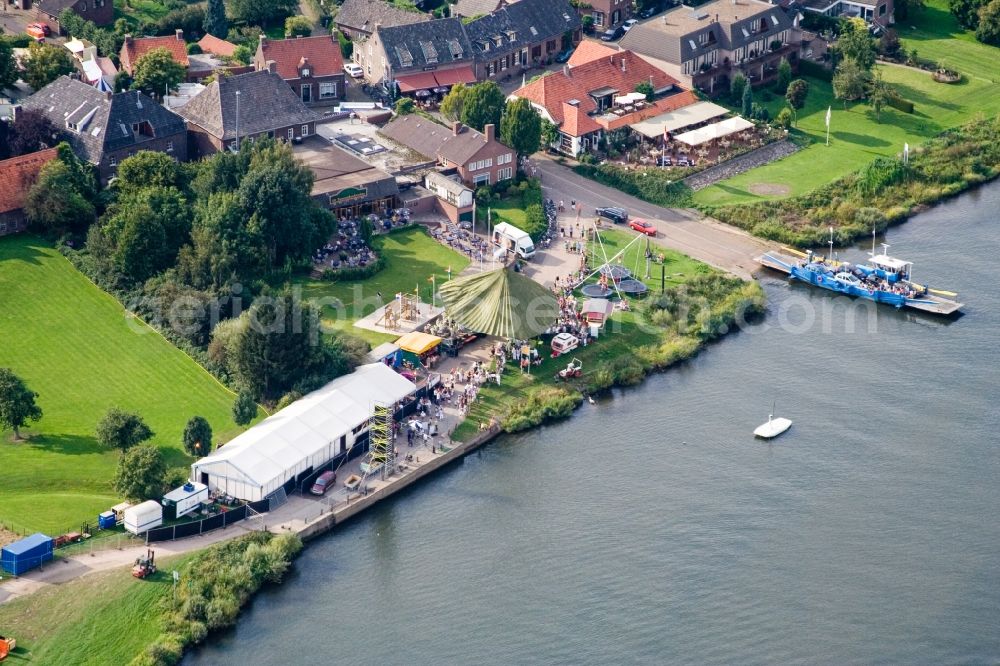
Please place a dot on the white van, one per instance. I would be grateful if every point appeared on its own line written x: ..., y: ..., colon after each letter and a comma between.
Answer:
x: 511, y: 238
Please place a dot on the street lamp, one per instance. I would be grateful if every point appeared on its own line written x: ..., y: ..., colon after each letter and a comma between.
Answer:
x: 237, y: 121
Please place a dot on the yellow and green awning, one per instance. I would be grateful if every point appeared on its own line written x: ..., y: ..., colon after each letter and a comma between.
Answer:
x: 501, y: 303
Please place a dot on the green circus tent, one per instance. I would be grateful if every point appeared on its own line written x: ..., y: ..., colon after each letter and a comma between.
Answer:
x: 501, y: 303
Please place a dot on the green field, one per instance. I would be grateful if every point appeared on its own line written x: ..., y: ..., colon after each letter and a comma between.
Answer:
x: 855, y: 136
x: 104, y: 618
x: 411, y: 257
x: 74, y: 345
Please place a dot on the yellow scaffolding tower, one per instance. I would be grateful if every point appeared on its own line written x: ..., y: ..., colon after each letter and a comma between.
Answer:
x: 381, y: 452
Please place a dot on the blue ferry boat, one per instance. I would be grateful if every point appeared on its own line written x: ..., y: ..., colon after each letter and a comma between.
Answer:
x: 882, y: 279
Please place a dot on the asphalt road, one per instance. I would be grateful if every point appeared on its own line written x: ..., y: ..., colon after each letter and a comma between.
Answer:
x: 684, y: 230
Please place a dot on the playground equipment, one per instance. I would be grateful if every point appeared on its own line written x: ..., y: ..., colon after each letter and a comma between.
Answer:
x: 405, y: 307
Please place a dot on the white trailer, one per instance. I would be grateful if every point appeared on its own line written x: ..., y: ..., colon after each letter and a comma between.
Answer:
x: 143, y: 517
x: 511, y: 238
x: 179, y: 502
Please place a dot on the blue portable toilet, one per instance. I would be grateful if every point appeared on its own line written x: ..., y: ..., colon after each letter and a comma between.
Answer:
x: 106, y: 520
x: 26, y: 554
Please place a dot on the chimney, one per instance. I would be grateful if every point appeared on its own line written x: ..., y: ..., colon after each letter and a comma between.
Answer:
x: 456, y: 128
x: 272, y: 66
x: 179, y: 34
x: 566, y: 70
x: 108, y: 94
x: 262, y: 39
x: 491, y: 132
x: 128, y: 39
x: 623, y: 64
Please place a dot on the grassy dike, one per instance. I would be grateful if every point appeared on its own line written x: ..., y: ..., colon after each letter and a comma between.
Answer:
x: 113, y: 618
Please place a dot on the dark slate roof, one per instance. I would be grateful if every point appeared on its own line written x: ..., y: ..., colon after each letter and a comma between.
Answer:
x: 96, y: 122
x: 365, y: 14
x: 674, y: 36
x: 430, y: 43
x: 54, y: 7
x: 266, y: 103
x: 520, y: 25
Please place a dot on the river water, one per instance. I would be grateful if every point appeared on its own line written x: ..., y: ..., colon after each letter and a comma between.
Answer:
x: 652, y: 528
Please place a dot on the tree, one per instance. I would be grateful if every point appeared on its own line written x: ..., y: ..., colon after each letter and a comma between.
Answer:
x: 156, y: 72
x: 54, y: 204
x: 244, y: 408
x: 32, y: 131
x: 888, y: 43
x: 298, y: 26
x: 17, y: 402
x: 550, y: 133
x: 198, y: 437
x: 141, y: 473
x: 646, y: 88
x: 405, y: 106
x: 988, y: 30
x: 44, y: 64
x: 8, y: 68
x: 521, y: 127
x: 451, y: 105
x: 796, y: 95
x: 879, y: 94
x: 849, y: 81
x: 149, y: 168
x: 483, y: 105
x: 784, y: 77
x: 261, y: 12
x: 903, y: 8
x: 216, y: 23
x: 967, y: 12
x: 146, y: 229
x: 122, y: 430
x: 784, y: 118
x: 746, y: 106
x: 857, y: 44
x: 736, y: 86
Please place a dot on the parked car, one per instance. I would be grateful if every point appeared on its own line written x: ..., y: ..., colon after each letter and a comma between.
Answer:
x: 664, y: 161
x: 323, y: 483
x: 613, y: 213
x: 38, y: 30
x: 354, y: 70
x: 565, y: 55
x: 611, y: 34
x: 563, y: 343
x: 643, y: 227
x: 652, y: 10
x: 627, y: 25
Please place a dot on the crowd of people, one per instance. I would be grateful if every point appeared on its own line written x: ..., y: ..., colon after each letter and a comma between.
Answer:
x: 346, y: 249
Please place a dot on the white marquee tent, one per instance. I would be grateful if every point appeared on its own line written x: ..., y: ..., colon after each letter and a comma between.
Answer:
x: 680, y: 118
x: 306, y: 434
x: 714, y: 131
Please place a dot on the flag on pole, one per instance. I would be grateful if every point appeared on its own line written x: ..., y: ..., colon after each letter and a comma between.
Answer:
x: 906, y: 153
x: 828, y: 117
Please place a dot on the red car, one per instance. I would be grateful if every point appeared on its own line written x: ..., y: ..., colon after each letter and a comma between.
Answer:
x: 323, y: 483
x: 643, y: 227
x: 38, y: 30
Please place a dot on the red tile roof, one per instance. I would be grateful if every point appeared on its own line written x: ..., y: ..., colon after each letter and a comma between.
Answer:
x: 323, y: 54
x: 133, y: 49
x: 18, y: 174
x: 618, y: 70
x: 588, y: 51
x: 212, y: 44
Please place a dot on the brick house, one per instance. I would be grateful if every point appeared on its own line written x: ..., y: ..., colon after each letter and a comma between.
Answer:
x: 581, y: 99
x: 134, y: 48
x: 101, y: 12
x: 358, y: 18
x: 704, y: 47
x: 245, y: 107
x: 477, y: 157
x: 104, y: 128
x: 608, y: 13
x: 522, y: 35
x: 18, y: 174
x: 418, y: 56
x: 312, y: 66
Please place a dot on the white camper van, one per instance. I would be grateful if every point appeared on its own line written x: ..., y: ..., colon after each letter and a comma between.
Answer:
x: 511, y: 238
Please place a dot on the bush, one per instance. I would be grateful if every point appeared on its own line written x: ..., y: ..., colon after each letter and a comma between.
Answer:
x: 346, y: 46
x: 899, y: 103
x: 656, y: 186
x: 815, y: 70
x: 540, y: 405
x: 784, y: 118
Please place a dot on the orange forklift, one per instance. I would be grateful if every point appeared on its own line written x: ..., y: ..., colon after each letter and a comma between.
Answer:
x: 145, y: 566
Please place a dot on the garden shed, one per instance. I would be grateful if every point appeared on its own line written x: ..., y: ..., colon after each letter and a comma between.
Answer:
x: 26, y: 554
x: 301, y: 437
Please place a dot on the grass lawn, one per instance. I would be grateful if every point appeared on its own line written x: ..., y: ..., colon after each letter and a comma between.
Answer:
x: 411, y: 257
x: 855, y: 136
x: 677, y: 267
x: 74, y: 346
x: 104, y: 618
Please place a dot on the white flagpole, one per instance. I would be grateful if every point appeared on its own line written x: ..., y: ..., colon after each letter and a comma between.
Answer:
x: 828, y: 124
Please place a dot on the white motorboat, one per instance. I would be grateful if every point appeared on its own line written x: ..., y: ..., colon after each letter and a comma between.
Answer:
x: 773, y: 427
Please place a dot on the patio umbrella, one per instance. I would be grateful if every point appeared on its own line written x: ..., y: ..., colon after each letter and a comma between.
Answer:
x: 501, y: 303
